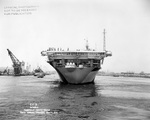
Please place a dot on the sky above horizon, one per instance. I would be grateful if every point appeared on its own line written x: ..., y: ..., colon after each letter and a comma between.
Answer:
x: 67, y: 23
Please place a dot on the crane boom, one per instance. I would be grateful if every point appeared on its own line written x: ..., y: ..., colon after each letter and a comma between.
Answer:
x: 16, y: 63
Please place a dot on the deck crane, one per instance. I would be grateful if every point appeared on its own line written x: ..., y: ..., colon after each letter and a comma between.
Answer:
x: 16, y: 64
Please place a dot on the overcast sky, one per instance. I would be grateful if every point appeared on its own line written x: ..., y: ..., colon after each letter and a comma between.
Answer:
x: 66, y: 23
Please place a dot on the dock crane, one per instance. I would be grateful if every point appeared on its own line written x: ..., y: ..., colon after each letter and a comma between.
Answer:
x: 16, y: 64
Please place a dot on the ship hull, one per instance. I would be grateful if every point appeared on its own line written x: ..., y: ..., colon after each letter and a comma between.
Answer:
x: 77, y: 75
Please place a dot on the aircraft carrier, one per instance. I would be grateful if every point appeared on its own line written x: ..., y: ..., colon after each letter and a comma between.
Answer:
x: 76, y: 67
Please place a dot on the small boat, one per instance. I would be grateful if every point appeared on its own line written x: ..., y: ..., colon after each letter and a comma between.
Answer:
x: 39, y: 73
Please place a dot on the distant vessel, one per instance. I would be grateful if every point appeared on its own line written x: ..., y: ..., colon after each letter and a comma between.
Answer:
x: 76, y: 67
x: 39, y: 73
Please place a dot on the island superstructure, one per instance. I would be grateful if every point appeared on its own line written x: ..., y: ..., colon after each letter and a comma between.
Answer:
x: 76, y: 67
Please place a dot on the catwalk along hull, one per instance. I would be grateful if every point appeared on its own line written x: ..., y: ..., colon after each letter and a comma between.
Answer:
x: 77, y: 75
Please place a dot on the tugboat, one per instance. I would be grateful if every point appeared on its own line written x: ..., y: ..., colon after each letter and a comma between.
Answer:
x: 76, y: 67
x: 39, y: 73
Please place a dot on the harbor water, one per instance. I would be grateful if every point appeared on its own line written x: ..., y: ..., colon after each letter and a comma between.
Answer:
x: 110, y: 98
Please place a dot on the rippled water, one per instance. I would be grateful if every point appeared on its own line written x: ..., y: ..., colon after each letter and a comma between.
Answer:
x: 110, y: 98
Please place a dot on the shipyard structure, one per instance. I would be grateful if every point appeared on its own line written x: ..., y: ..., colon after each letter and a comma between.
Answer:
x: 76, y: 67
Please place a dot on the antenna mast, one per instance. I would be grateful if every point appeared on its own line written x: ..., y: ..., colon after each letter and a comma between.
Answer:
x: 87, y: 45
x: 104, y: 44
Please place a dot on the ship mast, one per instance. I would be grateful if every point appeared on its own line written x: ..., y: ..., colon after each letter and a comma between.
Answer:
x: 87, y: 45
x: 104, y: 44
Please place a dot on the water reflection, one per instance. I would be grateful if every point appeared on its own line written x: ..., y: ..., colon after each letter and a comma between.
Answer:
x: 88, y: 90
x: 74, y: 101
x: 100, y: 101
